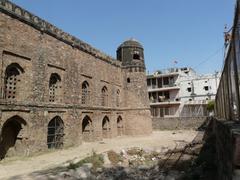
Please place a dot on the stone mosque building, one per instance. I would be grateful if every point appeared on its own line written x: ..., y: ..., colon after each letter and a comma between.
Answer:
x: 57, y: 91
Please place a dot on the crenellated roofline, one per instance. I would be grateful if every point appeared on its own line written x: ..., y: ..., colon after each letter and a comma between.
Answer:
x: 25, y: 16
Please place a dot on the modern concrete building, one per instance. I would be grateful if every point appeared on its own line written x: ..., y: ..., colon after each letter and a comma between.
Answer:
x: 181, y: 92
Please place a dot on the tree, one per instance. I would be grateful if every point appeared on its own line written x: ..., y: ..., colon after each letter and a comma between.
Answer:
x: 210, y: 105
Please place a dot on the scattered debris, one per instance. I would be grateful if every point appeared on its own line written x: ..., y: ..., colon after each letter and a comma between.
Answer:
x: 134, y: 163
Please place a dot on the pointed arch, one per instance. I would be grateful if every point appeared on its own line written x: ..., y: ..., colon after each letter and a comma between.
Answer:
x: 11, y: 80
x: 120, y: 126
x: 106, y: 128
x: 12, y: 131
x: 55, y: 133
x: 54, y: 87
x: 87, y: 129
x: 85, y: 93
x: 104, y: 96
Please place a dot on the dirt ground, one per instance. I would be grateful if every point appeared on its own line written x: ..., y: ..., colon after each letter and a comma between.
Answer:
x: 11, y: 167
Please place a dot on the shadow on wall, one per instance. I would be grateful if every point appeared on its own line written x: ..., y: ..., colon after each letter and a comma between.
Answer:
x: 205, y: 165
x: 11, y: 135
x: 187, y: 161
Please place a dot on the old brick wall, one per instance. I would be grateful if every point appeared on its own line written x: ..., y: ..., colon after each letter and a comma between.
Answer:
x: 43, y: 50
x: 137, y: 103
x: 177, y: 123
x: 225, y: 141
x: 224, y: 148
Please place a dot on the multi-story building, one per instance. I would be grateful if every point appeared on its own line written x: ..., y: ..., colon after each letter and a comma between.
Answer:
x: 180, y: 92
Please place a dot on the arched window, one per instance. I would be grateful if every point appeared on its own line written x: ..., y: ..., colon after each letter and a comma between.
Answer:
x: 136, y: 55
x: 54, y: 87
x: 104, y: 96
x: 119, y: 126
x: 12, y: 132
x: 85, y: 93
x: 55, y: 133
x: 12, y: 78
x: 106, y: 129
x: 118, y: 98
x: 87, y: 129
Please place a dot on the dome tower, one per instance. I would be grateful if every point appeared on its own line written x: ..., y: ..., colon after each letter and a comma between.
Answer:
x: 138, y: 118
x: 131, y: 54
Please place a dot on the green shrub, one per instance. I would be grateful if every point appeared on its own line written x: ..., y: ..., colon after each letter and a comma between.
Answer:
x: 210, y: 106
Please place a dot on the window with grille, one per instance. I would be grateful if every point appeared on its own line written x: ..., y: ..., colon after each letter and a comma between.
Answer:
x: 54, y: 86
x: 85, y: 93
x: 104, y: 96
x: 55, y: 133
x: 12, y: 79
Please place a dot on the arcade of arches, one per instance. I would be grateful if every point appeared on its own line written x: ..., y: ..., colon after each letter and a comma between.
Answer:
x: 57, y: 91
x: 14, y: 137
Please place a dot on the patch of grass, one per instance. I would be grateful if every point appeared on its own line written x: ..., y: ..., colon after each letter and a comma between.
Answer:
x: 96, y: 160
x: 114, y: 157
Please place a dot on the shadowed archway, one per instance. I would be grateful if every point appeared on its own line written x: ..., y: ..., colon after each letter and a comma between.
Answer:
x: 119, y: 126
x: 106, y: 129
x: 87, y: 129
x: 11, y: 135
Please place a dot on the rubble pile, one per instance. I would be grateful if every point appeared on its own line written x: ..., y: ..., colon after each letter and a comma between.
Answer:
x: 132, y: 163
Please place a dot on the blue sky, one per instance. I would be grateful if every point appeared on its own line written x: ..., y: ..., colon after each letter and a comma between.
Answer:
x: 188, y: 31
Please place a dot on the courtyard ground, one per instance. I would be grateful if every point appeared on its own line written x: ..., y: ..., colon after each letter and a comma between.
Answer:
x: 22, y: 166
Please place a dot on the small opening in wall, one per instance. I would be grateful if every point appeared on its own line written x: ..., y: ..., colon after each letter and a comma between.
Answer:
x: 189, y: 89
x: 206, y: 88
x: 136, y: 56
x: 128, y: 80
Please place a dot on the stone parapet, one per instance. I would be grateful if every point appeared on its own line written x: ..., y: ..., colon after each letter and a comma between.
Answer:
x: 23, y: 15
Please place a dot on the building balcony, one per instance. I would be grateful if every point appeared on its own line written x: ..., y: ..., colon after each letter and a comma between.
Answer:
x: 163, y: 88
x: 164, y: 102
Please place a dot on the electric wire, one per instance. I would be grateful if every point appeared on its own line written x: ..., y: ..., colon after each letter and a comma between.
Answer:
x: 209, y: 58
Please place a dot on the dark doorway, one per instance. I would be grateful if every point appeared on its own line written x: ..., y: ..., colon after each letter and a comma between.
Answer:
x: 10, y: 134
x: 106, y: 127
x: 87, y: 129
x: 119, y: 126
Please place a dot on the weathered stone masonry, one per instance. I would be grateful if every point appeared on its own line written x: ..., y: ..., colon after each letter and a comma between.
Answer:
x: 57, y: 91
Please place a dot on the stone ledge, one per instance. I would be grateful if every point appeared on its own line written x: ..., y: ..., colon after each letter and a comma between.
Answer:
x: 19, y: 13
x: 30, y: 105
